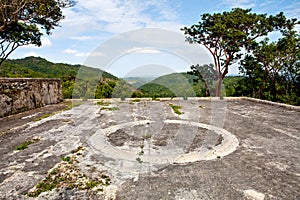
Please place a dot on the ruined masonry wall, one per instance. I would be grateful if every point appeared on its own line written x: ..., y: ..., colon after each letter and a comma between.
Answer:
x: 21, y: 94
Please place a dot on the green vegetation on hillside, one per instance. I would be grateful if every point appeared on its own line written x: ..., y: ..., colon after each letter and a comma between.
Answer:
x: 172, y: 85
x: 86, y: 83
x: 90, y: 83
x: 186, y: 85
x: 176, y: 109
x: 155, y: 90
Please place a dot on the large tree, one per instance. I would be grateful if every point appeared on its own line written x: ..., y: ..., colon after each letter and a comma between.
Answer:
x: 273, y: 69
x: 23, y: 22
x: 205, y: 74
x: 225, y: 34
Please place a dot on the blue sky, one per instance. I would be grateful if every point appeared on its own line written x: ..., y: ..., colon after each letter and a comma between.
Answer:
x: 90, y: 24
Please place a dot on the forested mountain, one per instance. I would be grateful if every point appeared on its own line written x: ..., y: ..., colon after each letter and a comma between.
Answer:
x: 186, y: 85
x: 37, y: 67
x: 92, y: 82
x: 138, y: 81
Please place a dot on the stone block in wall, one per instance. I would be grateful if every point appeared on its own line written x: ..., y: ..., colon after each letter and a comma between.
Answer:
x: 6, y: 104
x: 17, y: 95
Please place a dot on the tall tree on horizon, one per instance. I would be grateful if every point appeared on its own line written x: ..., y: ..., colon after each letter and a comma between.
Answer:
x: 225, y: 34
x: 23, y: 22
x: 273, y: 69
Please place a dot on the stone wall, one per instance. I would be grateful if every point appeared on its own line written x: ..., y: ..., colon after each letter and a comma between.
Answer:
x: 21, y: 94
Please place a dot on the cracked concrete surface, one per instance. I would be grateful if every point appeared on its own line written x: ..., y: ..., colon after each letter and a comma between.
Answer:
x: 226, y: 149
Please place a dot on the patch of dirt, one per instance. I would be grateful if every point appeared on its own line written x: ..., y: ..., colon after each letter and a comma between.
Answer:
x: 198, y: 140
x: 167, y: 132
x: 118, y: 138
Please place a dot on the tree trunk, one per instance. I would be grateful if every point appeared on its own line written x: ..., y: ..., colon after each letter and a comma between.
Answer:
x: 218, y: 87
x: 207, y: 92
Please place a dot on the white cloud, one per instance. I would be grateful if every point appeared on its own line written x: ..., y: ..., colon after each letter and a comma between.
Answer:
x: 82, y: 54
x: 81, y: 38
x: 96, y: 54
x: 240, y: 3
x: 115, y: 17
x: 70, y: 51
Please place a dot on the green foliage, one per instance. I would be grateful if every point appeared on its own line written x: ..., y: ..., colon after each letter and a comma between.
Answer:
x: 42, y: 187
x: 207, y: 75
x: 92, y: 82
x: 147, y: 136
x: 225, y: 34
x: 103, y: 103
x: 176, y: 109
x: 233, y: 86
x: 135, y: 100
x: 44, y: 116
x: 172, y: 85
x: 155, y: 90
x: 66, y: 159
x: 23, y: 22
x: 110, y: 108
x: 273, y: 71
x: 26, y: 143
x: 123, y: 90
x: 68, y: 176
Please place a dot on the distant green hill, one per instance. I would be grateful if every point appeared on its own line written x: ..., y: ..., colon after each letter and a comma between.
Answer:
x: 173, y: 85
x: 91, y: 83
x: 95, y: 83
x: 185, y: 85
x: 36, y: 67
x: 138, y: 81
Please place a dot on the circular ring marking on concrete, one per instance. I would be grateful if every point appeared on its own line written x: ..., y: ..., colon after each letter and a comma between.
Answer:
x: 126, y: 158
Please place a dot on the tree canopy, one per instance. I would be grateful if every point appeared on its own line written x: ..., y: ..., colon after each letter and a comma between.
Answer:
x: 225, y: 34
x: 23, y: 22
x: 273, y: 69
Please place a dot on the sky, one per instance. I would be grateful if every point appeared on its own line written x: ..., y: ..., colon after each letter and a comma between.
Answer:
x: 148, y: 30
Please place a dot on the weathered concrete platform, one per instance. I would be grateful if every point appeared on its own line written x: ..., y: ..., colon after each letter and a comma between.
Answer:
x: 215, y: 149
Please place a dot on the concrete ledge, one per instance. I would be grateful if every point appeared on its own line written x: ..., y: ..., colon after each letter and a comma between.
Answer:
x: 291, y: 107
x: 297, y: 108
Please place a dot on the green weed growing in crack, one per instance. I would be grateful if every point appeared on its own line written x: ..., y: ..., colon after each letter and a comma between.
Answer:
x: 67, y: 175
x: 176, y: 109
x: 44, y: 116
x: 110, y: 108
x: 103, y: 103
x: 135, y: 100
x: 66, y: 159
x: 27, y: 143
x: 72, y: 104
x: 147, y: 136
x: 142, y: 146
